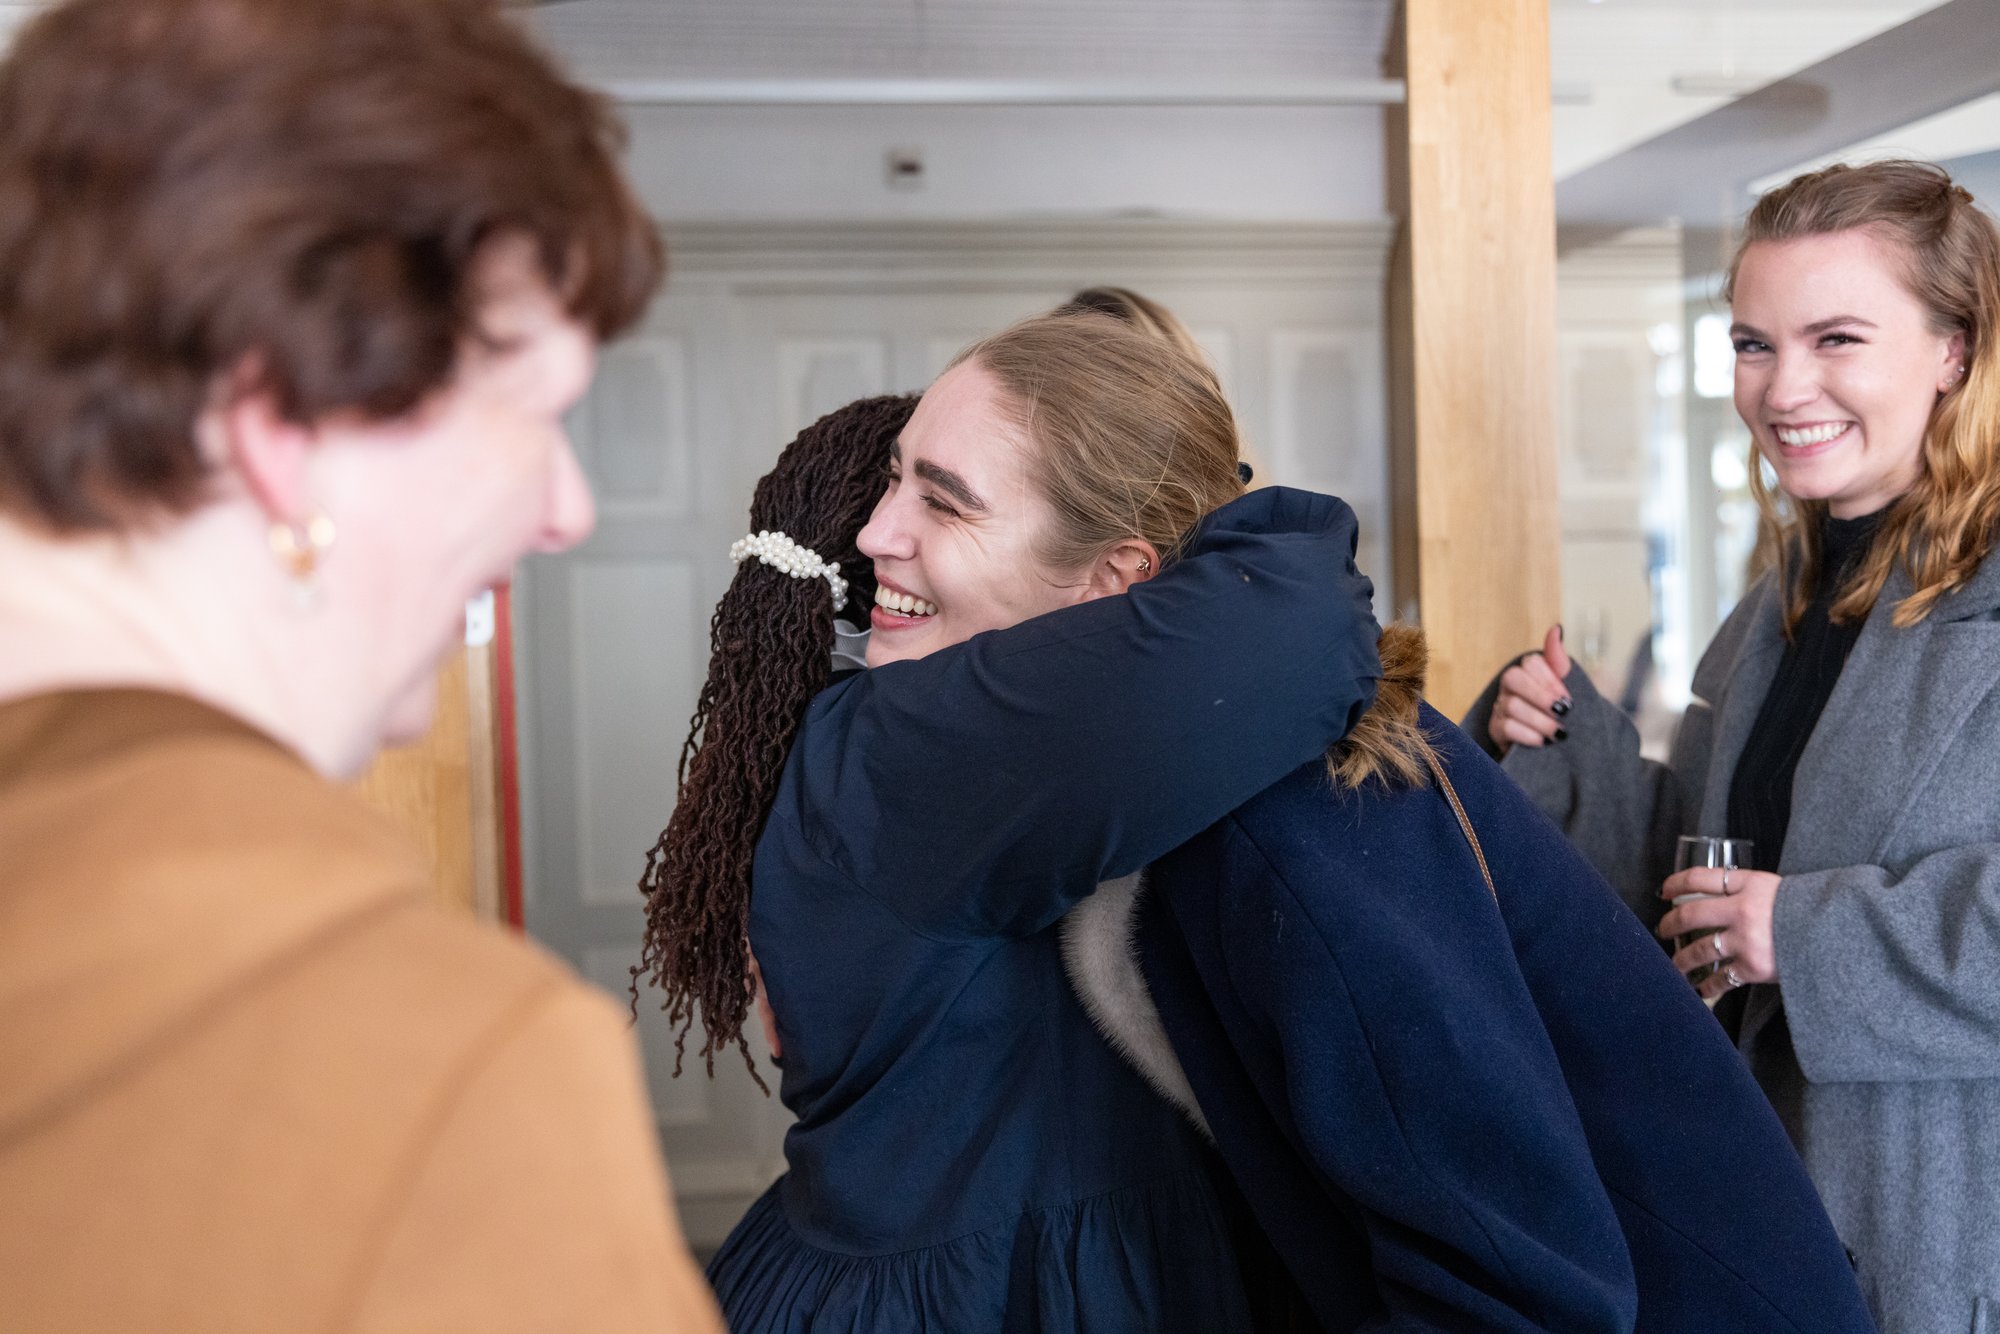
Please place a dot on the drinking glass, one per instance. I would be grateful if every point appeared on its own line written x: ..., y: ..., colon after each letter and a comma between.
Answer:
x: 1705, y: 850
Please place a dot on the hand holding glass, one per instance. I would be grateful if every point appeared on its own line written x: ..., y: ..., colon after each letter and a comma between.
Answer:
x: 1703, y: 850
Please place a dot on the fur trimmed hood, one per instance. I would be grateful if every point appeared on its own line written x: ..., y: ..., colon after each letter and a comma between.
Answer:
x: 1102, y: 959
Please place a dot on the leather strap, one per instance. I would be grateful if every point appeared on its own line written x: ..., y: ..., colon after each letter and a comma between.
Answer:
x: 1464, y: 823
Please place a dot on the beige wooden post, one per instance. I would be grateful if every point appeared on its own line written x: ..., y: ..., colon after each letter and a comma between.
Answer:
x: 442, y: 789
x: 1472, y: 336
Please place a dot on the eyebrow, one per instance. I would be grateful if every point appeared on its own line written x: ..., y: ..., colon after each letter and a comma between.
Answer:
x: 1816, y: 327
x: 949, y: 482
x: 944, y: 479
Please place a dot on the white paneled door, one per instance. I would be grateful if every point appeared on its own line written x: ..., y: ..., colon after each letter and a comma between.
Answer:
x: 759, y: 333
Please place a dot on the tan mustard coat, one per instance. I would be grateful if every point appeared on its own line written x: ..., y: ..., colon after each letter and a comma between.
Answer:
x: 252, y: 1080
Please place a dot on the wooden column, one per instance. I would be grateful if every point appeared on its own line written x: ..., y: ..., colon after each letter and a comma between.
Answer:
x: 445, y: 789
x: 1472, y: 336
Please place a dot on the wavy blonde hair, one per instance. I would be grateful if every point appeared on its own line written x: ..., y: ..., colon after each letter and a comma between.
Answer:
x: 1389, y: 742
x: 1942, y: 527
x: 1130, y: 436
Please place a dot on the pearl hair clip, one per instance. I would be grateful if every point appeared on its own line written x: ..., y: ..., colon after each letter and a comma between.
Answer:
x: 781, y: 553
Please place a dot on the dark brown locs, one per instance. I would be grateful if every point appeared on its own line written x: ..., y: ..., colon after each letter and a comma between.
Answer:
x: 771, y: 644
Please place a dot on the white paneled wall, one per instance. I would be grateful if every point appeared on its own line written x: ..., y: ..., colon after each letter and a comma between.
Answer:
x: 762, y: 329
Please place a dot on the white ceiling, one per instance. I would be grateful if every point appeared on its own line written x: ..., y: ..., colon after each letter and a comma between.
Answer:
x: 1649, y: 65
x: 1210, y: 40
x: 1623, y: 70
x: 1965, y: 131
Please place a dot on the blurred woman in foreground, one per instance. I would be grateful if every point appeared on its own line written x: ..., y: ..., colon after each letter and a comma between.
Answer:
x: 293, y: 296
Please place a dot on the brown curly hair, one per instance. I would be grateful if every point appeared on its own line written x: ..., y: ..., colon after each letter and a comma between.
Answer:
x: 296, y: 193
x: 771, y: 651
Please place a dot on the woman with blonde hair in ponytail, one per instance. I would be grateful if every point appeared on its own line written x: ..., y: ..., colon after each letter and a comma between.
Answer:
x: 1389, y: 974
x: 1847, y: 723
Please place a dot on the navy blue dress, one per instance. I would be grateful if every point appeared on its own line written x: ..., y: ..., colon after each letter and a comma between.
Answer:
x: 969, y: 1155
x: 1452, y: 1115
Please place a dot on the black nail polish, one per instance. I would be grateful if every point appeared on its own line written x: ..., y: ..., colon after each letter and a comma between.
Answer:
x: 1560, y: 708
x: 1562, y: 734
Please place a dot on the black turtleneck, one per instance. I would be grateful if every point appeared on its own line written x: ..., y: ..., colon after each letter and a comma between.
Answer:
x: 1760, y: 793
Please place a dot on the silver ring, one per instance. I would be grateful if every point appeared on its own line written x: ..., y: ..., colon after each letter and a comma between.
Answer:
x: 1725, y: 882
x: 1730, y: 974
x: 1716, y: 940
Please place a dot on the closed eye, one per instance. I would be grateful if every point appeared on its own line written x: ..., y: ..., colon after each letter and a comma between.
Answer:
x: 896, y: 476
x: 1746, y: 346
x: 1839, y: 340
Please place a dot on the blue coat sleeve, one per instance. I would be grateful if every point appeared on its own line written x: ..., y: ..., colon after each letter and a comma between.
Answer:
x: 1416, y: 1070
x: 982, y: 790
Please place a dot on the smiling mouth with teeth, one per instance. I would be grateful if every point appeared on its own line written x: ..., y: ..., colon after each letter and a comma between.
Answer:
x: 1799, y: 437
x: 902, y: 604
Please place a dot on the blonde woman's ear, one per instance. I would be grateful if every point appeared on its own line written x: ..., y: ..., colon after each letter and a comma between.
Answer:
x: 1130, y: 562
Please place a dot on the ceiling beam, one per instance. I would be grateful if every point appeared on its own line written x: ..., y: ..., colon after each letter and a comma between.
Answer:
x: 1699, y: 171
x: 998, y: 93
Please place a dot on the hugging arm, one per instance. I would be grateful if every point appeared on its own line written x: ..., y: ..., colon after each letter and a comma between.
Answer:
x: 985, y: 788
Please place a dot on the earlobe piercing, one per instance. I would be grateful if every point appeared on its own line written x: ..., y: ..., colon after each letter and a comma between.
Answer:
x: 299, y: 548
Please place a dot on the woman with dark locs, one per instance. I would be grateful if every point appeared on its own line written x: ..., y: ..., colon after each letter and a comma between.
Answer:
x: 775, y: 648
x: 294, y: 298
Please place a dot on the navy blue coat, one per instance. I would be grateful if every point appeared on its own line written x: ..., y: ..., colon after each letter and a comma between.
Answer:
x: 968, y: 1154
x: 1451, y: 1116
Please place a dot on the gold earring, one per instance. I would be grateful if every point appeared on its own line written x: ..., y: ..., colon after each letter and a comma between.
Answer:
x: 299, y: 548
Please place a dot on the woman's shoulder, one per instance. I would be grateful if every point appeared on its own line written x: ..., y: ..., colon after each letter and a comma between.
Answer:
x: 1310, y: 829
x: 232, y: 891
x: 157, y: 783
x: 1756, y: 614
x: 1978, y: 598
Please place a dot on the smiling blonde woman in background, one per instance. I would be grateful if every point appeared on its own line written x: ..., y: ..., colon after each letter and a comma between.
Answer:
x: 1847, y: 721
x: 293, y: 296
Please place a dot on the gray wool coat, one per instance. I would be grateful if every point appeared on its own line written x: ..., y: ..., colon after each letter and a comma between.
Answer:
x: 1880, y: 1042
